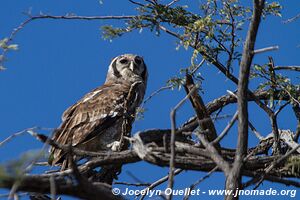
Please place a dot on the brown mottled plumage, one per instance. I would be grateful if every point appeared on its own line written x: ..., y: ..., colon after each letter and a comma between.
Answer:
x: 95, y: 121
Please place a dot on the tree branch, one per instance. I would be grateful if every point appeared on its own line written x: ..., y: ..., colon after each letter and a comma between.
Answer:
x: 172, y: 143
x: 233, y: 179
x: 41, y: 184
x: 201, y: 111
x: 291, y: 68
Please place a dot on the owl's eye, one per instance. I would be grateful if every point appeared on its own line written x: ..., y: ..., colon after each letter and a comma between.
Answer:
x: 123, y: 61
x: 137, y: 60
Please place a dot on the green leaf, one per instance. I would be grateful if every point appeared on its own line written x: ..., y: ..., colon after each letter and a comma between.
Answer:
x: 3, y: 43
x: 109, y: 32
x: 13, y: 47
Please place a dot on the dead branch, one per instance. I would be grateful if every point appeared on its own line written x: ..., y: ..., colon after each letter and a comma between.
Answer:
x: 160, y: 181
x: 172, y: 142
x: 292, y: 19
x: 233, y: 179
x: 273, y: 48
x: 188, y: 157
x: 291, y: 68
x: 40, y: 184
x: 226, y: 129
x: 201, y: 111
x: 200, y: 180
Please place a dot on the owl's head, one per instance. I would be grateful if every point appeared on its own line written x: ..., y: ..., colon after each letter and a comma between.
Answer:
x: 127, y: 67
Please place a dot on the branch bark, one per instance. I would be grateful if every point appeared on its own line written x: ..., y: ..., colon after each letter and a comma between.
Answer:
x: 204, y: 119
x: 233, y: 180
x: 41, y: 185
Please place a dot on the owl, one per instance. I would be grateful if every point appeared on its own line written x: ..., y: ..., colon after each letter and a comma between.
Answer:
x: 98, y: 121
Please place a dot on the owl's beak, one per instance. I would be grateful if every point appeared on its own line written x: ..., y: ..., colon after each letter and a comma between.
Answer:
x: 132, y: 66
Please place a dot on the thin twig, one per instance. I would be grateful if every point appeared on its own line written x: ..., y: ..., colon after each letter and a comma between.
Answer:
x: 226, y: 129
x: 292, y: 68
x: 171, y: 3
x: 27, y: 130
x: 131, y: 184
x: 172, y: 143
x: 292, y: 19
x: 198, y: 66
x: 186, y: 197
x: 13, y: 190
x: 78, y: 17
x: 281, y: 108
x: 156, y: 92
x: 32, y: 163
x: 257, y: 134
x: 19, y: 194
x: 273, y: 48
x: 135, y: 178
x: 39, y: 155
x: 137, y: 3
x: 159, y: 182
x: 214, y: 154
x: 59, y: 17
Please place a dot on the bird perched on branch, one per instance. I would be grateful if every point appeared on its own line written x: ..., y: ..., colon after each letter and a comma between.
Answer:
x: 102, y: 117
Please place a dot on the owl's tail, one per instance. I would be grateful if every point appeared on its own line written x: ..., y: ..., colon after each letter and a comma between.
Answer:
x: 63, y: 162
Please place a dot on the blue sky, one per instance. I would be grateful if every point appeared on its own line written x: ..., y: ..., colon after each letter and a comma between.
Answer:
x: 59, y: 61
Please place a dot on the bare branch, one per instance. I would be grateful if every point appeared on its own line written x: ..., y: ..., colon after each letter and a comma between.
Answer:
x: 160, y: 181
x: 257, y: 134
x: 131, y: 184
x: 172, y: 143
x: 39, y: 184
x: 273, y: 48
x: 59, y: 17
x: 186, y: 197
x: 214, y: 154
x: 198, y: 66
x: 171, y: 3
x: 291, y: 68
x: 136, y: 3
x: 156, y: 92
x: 19, y: 194
x: 233, y: 179
x: 28, y: 130
x: 226, y: 129
x: 201, y: 111
x: 292, y: 19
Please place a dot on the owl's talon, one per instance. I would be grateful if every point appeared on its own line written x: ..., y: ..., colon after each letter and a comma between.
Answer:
x: 114, y: 146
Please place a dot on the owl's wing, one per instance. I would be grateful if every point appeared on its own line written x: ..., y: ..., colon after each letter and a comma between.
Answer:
x: 95, y: 112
